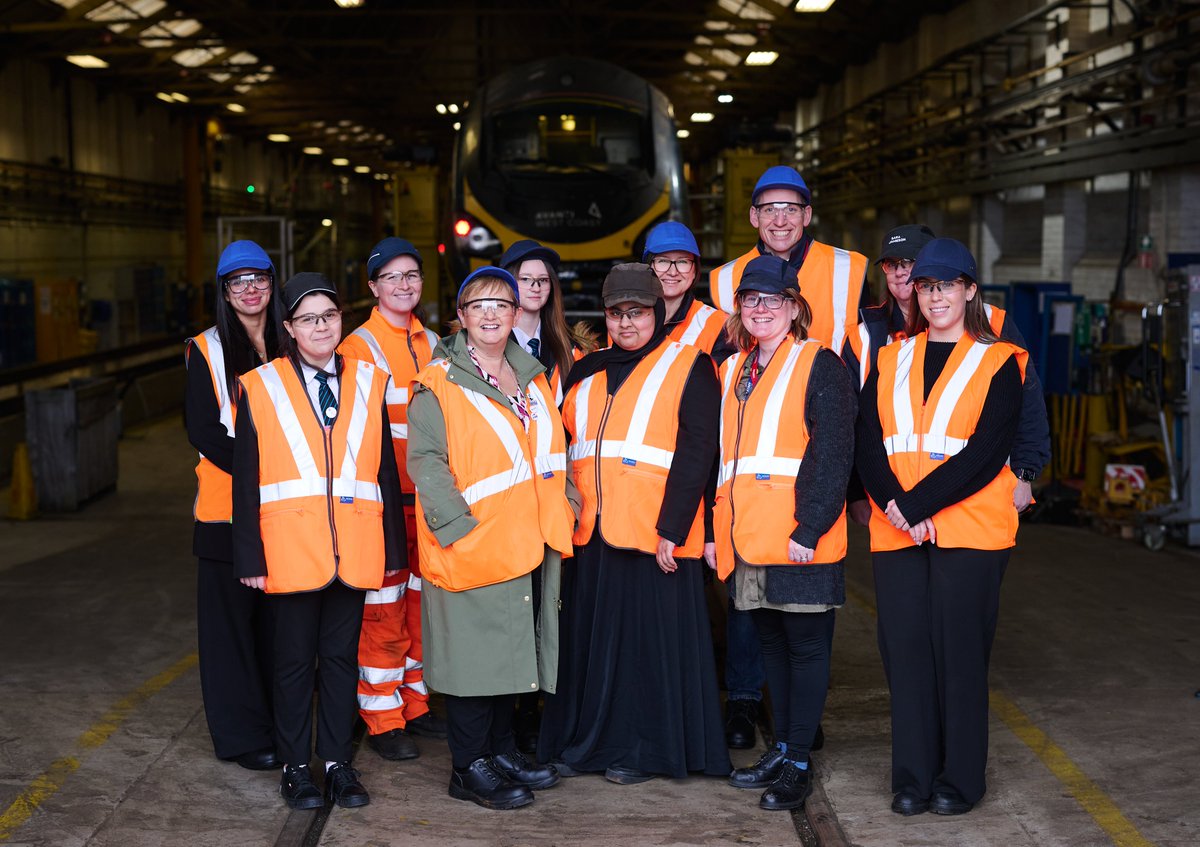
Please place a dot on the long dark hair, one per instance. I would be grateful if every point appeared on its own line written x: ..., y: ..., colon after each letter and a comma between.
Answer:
x: 556, y: 334
x: 240, y: 356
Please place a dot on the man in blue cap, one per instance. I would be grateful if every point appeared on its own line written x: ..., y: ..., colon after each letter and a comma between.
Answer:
x: 831, y: 278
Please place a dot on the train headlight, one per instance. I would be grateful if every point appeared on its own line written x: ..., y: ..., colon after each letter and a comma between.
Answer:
x: 475, y: 239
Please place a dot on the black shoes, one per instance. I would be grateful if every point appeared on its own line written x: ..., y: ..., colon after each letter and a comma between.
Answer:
x: 518, y: 769
x: 908, y: 804
x: 427, y: 725
x: 627, y: 776
x: 257, y: 760
x: 762, y: 773
x: 484, y: 783
x: 395, y: 745
x: 949, y: 803
x: 343, y: 788
x: 740, y: 716
x: 789, y: 791
x: 298, y: 789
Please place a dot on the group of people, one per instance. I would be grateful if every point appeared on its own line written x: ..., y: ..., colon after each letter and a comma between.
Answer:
x: 508, y: 514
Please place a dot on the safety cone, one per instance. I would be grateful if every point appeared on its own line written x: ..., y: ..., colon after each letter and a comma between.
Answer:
x: 22, y: 501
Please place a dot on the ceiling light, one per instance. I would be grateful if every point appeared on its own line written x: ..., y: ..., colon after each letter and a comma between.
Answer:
x: 682, y: 133
x: 313, y: 151
x: 762, y: 57
x: 348, y: 4
x: 180, y: 98
x: 457, y: 126
x: 279, y: 136
x: 701, y: 117
x: 812, y: 5
x: 746, y: 10
x: 441, y: 108
x: 165, y: 97
x: 726, y: 56
x: 453, y: 108
x: 362, y: 169
x: 87, y: 61
x: 326, y: 222
x: 741, y: 39
x: 340, y: 162
x: 693, y: 58
x: 237, y: 108
x: 724, y: 98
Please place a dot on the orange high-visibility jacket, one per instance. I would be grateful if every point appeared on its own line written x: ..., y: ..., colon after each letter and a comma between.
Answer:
x: 920, y: 434
x: 763, y: 441
x: 320, y: 505
x: 634, y: 433
x: 700, y: 327
x: 514, y: 482
x: 401, y: 353
x: 831, y: 280
x: 214, y: 487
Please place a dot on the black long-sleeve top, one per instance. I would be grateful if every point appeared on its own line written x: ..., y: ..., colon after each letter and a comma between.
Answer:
x: 960, y: 475
x: 249, y: 557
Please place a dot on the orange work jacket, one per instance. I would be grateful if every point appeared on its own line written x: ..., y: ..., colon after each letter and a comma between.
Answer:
x: 513, y: 480
x: 700, y: 327
x: 633, y: 433
x: 763, y: 440
x: 831, y: 281
x: 401, y: 353
x: 321, y: 508
x: 920, y: 434
x: 214, y: 487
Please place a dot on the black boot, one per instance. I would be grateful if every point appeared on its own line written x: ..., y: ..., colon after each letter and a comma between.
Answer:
x: 343, y: 788
x: 484, y: 783
x: 518, y: 769
x: 763, y: 772
x: 789, y: 791
x: 740, y: 716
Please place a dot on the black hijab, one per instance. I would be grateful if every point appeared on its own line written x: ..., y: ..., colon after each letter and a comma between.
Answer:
x: 618, y: 362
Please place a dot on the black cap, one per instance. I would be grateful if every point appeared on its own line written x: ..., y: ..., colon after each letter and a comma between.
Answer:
x: 389, y: 249
x: 904, y: 242
x: 303, y: 284
x: 631, y: 282
x: 527, y: 248
x: 769, y: 275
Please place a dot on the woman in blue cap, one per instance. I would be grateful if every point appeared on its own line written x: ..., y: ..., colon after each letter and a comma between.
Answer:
x: 541, y: 326
x: 233, y: 622
x: 672, y: 253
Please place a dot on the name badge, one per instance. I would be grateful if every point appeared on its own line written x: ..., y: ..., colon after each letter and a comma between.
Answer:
x: 937, y: 456
x: 548, y: 475
x: 345, y: 499
x: 762, y: 476
x: 629, y: 461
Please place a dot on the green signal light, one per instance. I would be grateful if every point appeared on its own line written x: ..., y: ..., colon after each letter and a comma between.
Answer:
x: 249, y: 189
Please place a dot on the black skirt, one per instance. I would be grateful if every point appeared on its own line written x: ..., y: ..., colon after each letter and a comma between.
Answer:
x: 637, y: 683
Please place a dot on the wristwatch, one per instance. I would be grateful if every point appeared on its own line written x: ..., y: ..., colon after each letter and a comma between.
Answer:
x: 1026, y: 475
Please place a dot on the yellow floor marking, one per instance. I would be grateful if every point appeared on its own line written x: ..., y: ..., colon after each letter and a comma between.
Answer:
x: 52, y: 779
x: 1090, y: 796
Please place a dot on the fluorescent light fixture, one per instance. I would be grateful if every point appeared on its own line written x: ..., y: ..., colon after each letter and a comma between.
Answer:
x: 701, y: 117
x: 693, y: 58
x: 682, y: 133
x: 746, y: 10
x: 762, y: 57
x: 727, y: 56
x: 457, y: 126
x: 718, y: 74
x: 180, y: 98
x: 724, y: 98
x: 87, y: 61
x: 741, y: 39
x: 326, y: 222
x: 441, y: 108
x: 347, y: 4
x: 313, y: 151
x: 340, y: 162
x: 279, y: 136
x: 812, y: 5
x: 362, y: 169
x: 236, y: 108
x: 165, y: 97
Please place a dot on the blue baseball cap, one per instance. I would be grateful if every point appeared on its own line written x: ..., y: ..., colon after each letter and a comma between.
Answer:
x: 493, y: 271
x: 944, y: 258
x: 525, y: 249
x: 769, y: 275
x: 389, y: 249
x: 781, y: 176
x: 243, y: 254
x: 668, y: 236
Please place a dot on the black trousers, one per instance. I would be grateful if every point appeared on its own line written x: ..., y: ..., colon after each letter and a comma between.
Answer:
x: 309, y: 626
x: 479, y: 726
x: 235, y: 630
x: 795, y: 651
x: 937, y: 619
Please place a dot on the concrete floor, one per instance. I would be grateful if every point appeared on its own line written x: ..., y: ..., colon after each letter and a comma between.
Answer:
x: 1096, y: 732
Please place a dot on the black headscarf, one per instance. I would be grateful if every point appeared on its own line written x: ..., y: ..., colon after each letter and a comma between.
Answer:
x: 616, y: 361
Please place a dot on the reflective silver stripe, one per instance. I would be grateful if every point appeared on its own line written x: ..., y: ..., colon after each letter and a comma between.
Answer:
x: 291, y: 488
x: 432, y: 338
x: 551, y: 463
x: 399, y: 431
x: 767, y: 465
x: 639, y: 421
x: 306, y: 464
x: 936, y: 440
x: 723, y: 296
x: 580, y: 448
x: 216, y: 363
x: 379, y: 676
x: 692, y: 334
x: 384, y: 596
x: 520, y: 470
x: 418, y: 687
x: 864, y: 363
x: 730, y: 367
x: 364, y: 375
x: 637, y: 452
x: 907, y: 443
x: 381, y: 702
x: 764, y: 460
x: 543, y: 459
x: 396, y: 395
x: 901, y: 403
x: 841, y: 295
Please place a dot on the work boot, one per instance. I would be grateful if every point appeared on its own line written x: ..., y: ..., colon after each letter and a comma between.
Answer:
x: 789, y: 791
x: 427, y: 725
x: 763, y: 772
x: 740, y: 717
x: 484, y: 783
x: 394, y: 745
x: 520, y: 770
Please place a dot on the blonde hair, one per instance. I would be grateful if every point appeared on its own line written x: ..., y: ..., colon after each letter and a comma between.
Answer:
x: 744, y: 341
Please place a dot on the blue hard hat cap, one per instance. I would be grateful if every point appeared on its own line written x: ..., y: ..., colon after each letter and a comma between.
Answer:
x: 668, y: 236
x: 243, y: 254
x: 492, y: 271
x: 944, y: 258
x: 768, y: 275
x: 389, y: 249
x: 781, y: 176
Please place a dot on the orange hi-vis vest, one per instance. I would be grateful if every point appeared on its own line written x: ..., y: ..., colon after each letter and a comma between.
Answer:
x: 920, y: 434
x: 700, y: 327
x: 556, y: 377
x: 320, y: 503
x: 763, y: 441
x: 401, y: 353
x: 214, y: 487
x: 633, y: 432
x: 830, y: 279
x: 514, y: 482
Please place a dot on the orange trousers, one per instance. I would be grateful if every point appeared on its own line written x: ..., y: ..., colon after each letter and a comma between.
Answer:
x: 391, y: 678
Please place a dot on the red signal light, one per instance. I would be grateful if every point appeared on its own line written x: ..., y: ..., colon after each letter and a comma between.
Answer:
x: 461, y: 227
